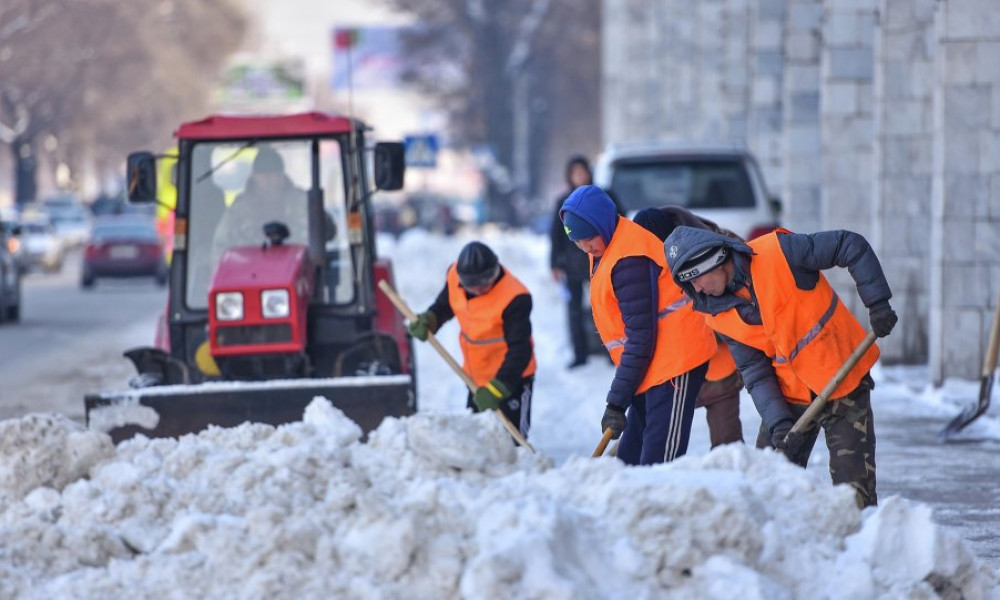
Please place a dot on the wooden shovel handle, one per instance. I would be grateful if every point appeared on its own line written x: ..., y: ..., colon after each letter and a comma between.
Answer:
x: 820, y: 401
x: 404, y: 309
x: 605, y: 440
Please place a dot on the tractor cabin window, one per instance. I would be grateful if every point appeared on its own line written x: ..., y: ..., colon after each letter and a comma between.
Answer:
x: 237, y: 187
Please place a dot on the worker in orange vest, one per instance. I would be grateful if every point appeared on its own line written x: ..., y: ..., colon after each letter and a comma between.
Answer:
x: 720, y: 394
x: 659, y: 346
x: 493, y: 309
x: 790, y: 333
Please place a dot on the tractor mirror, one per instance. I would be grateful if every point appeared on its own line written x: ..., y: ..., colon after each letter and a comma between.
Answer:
x: 390, y: 165
x: 141, y: 177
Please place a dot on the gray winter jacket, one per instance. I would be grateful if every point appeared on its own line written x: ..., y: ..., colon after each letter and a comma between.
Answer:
x: 807, y: 255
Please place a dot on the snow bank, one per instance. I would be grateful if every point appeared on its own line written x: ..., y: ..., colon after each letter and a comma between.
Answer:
x: 441, y: 506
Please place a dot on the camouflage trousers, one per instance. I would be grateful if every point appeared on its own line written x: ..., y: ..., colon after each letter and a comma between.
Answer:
x: 849, y: 426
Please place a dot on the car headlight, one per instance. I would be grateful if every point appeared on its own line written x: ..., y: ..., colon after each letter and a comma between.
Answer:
x: 229, y: 306
x: 274, y: 303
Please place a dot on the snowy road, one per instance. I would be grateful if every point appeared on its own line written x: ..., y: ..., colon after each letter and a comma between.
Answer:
x: 70, y: 343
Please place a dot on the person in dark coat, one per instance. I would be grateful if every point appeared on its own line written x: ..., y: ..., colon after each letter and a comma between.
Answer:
x: 659, y: 346
x: 789, y: 334
x: 720, y: 394
x: 569, y: 264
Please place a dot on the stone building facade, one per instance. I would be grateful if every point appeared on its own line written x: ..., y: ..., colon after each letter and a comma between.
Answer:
x: 879, y: 116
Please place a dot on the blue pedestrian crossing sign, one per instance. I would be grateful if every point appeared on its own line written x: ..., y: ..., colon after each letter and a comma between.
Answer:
x: 421, y: 150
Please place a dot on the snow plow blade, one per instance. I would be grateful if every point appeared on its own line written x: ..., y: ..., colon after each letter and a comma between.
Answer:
x: 175, y: 410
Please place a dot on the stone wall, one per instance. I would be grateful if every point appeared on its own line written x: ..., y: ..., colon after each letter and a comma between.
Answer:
x: 901, y: 198
x: 965, y: 224
x: 880, y: 116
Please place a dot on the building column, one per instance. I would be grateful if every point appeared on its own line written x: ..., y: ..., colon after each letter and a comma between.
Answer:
x: 965, y: 226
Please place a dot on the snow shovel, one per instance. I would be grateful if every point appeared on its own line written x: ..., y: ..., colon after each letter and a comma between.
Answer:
x: 971, y: 413
x: 816, y: 406
x: 403, y: 308
x: 605, y: 440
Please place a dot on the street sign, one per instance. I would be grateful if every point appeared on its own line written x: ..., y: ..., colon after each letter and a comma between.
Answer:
x: 421, y: 150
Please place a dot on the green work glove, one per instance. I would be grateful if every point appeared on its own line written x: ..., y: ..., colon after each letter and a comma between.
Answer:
x: 426, y: 323
x: 489, y: 396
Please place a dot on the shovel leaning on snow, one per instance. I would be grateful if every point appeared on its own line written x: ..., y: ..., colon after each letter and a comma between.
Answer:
x: 972, y: 412
x: 816, y: 406
x: 403, y: 308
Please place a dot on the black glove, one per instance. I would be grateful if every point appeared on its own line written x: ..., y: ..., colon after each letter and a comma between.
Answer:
x: 426, y: 322
x: 786, y: 440
x: 614, y: 419
x: 882, y: 317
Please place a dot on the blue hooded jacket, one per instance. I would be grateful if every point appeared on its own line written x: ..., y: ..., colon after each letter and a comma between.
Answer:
x: 634, y: 281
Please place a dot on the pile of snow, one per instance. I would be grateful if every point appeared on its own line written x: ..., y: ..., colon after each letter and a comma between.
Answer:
x: 440, y: 506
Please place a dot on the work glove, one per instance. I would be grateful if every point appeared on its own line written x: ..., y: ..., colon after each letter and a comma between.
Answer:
x: 785, y: 440
x: 614, y: 419
x: 882, y: 317
x: 488, y: 397
x: 425, y: 322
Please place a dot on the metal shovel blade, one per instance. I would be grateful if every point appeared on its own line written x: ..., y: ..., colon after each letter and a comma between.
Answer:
x: 971, y: 412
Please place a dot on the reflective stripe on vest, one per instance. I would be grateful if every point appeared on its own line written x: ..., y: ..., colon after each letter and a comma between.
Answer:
x: 466, y: 337
x: 683, y: 340
x: 481, y: 321
x: 666, y: 312
x: 812, y: 334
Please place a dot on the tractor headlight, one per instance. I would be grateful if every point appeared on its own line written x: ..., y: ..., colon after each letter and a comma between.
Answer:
x: 229, y: 306
x: 274, y: 304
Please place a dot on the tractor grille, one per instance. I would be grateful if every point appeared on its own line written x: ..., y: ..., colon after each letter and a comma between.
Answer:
x: 256, y: 334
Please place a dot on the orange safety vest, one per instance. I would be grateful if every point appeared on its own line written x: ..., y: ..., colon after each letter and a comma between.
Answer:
x: 683, y: 340
x: 721, y: 365
x: 808, y: 334
x: 481, y: 321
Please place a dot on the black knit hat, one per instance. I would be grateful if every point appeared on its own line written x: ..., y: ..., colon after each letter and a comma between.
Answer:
x: 477, y: 265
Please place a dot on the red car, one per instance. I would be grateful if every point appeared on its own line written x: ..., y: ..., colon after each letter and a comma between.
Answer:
x: 123, y: 247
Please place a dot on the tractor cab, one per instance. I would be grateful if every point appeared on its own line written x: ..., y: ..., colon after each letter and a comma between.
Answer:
x: 273, y: 278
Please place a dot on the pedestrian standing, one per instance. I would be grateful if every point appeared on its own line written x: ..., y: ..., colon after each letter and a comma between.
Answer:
x: 493, y: 309
x: 659, y: 346
x: 790, y: 333
x: 570, y: 265
x: 720, y: 394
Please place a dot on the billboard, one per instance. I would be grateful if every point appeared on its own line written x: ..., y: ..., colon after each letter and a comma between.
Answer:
x: 370, y: 56
x: 249, y: 84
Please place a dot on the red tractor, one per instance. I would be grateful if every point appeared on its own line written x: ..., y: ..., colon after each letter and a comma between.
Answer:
x: 273, y: 296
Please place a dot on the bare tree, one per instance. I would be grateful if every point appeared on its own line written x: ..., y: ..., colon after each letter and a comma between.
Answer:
x: 104, y: 76
x: 509, y: 72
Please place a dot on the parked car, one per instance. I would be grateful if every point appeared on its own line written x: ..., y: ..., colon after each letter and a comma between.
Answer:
x: 721, y: 183
x: 10, y: 275
x: 123, y: 246
x: 70, y: 219
x: 10, y: 232
x: 40, y: 244
x: 116, y: 204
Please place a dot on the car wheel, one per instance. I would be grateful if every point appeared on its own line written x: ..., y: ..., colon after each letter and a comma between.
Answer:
x: 87, y: 281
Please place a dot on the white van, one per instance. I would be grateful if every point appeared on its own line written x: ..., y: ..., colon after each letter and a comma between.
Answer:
x: 720, y: 183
